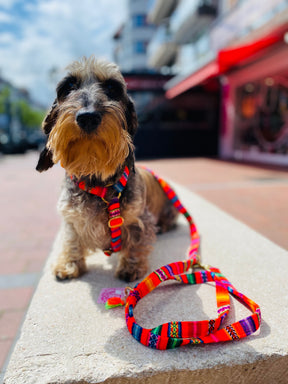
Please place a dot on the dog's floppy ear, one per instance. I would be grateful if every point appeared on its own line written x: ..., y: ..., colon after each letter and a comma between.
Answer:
x: 50, y: 118
x: 46, y: 157
x: 131, y: 118
x: 45, y: 160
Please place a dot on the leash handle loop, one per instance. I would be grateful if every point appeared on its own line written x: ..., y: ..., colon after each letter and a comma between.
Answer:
x: 179, y: 333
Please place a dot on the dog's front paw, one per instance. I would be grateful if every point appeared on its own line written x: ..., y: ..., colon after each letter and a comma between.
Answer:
x: 130, y: 272
x: 69, y: 269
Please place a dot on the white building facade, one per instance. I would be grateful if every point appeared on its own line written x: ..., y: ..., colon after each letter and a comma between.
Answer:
x: 133, y: 37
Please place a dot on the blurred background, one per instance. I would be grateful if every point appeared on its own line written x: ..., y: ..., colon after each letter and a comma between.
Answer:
x: 210, y: 82
x: 209, y: 77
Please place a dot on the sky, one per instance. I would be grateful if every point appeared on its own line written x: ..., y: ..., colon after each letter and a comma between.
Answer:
x: 39, y: 38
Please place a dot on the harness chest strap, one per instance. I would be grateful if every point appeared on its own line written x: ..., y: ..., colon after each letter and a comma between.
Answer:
x: 115, y: 219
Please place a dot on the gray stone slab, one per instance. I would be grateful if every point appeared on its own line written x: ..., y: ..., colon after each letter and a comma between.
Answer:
x: 68, y: 338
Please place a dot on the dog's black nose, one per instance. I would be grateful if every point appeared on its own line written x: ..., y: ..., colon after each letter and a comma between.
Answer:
x: 88, y: 121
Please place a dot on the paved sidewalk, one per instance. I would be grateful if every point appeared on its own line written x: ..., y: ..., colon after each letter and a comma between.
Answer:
x: 29, y: 222
x: 28, y: 225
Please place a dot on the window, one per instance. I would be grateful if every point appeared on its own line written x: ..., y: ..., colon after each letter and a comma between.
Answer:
x: 140, y: 46
x: 139, y: 20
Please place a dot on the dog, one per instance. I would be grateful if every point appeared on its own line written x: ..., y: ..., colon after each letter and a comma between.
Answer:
x: 90, y: 129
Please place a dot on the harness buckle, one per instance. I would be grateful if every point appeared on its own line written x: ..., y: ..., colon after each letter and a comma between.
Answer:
x: 199, y: 264
x: 206, y: 267
x: 115, y: 222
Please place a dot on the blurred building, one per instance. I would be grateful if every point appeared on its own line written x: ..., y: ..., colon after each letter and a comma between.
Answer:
x: 185, y: 126
x: 225, y: 63
x: 132, y: 38
x: 239, y: 47
x: 20, y: 119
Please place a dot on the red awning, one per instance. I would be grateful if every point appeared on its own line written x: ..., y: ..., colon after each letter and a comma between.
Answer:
x: 207, y: 72
x: 227, y: 59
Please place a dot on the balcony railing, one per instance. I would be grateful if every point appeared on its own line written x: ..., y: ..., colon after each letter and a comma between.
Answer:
x: 191, y: 18
x: 162, y: 49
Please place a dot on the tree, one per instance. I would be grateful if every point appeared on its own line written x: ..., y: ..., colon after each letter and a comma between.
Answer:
x: 29, y: 116
x: 5, y: 93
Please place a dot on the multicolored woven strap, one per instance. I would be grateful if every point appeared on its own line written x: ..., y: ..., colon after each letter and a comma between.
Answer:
x: 193, y: 251
x: 179, y: 333
x: 115, y: 219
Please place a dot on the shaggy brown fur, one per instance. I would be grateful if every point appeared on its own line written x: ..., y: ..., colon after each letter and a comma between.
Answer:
x: 90, y: 128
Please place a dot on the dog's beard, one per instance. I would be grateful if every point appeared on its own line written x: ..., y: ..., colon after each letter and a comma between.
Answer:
x: 100, y: 153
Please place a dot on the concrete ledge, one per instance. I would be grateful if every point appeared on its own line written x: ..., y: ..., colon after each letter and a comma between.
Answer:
x: 68, y: 338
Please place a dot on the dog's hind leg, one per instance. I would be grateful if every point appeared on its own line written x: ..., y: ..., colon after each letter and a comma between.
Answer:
x: 137, y: 243
x: 158, y: 204
x: 167, y: 218
x: 71, y: 254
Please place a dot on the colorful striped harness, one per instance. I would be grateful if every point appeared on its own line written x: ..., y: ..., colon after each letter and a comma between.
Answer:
x: 177, y: 333
x: 115, y: 219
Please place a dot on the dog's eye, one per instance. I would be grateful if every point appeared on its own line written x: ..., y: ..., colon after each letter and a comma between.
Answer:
x: 66, y: 86
x: 113, y: 89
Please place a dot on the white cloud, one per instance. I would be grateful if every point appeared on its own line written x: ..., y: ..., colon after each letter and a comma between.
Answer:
x: 59, y: 32
x: 4, y: 17
x: 8, y: 3
x: 6, y: 38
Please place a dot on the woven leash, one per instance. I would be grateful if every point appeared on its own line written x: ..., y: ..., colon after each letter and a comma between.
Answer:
x: 193, y: 251
x: 175, y: 334
x: 179, y: 333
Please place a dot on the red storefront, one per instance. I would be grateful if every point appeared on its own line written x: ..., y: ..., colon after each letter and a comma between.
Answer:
x: 254, y: 86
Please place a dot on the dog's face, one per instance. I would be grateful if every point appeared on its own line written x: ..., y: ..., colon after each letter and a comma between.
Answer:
x: 92, y: 122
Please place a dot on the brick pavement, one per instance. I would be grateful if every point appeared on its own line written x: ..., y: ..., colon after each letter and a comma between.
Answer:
x: 29, y: 222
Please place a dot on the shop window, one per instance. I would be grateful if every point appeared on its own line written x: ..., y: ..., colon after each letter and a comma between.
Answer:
x: 262, y: 115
